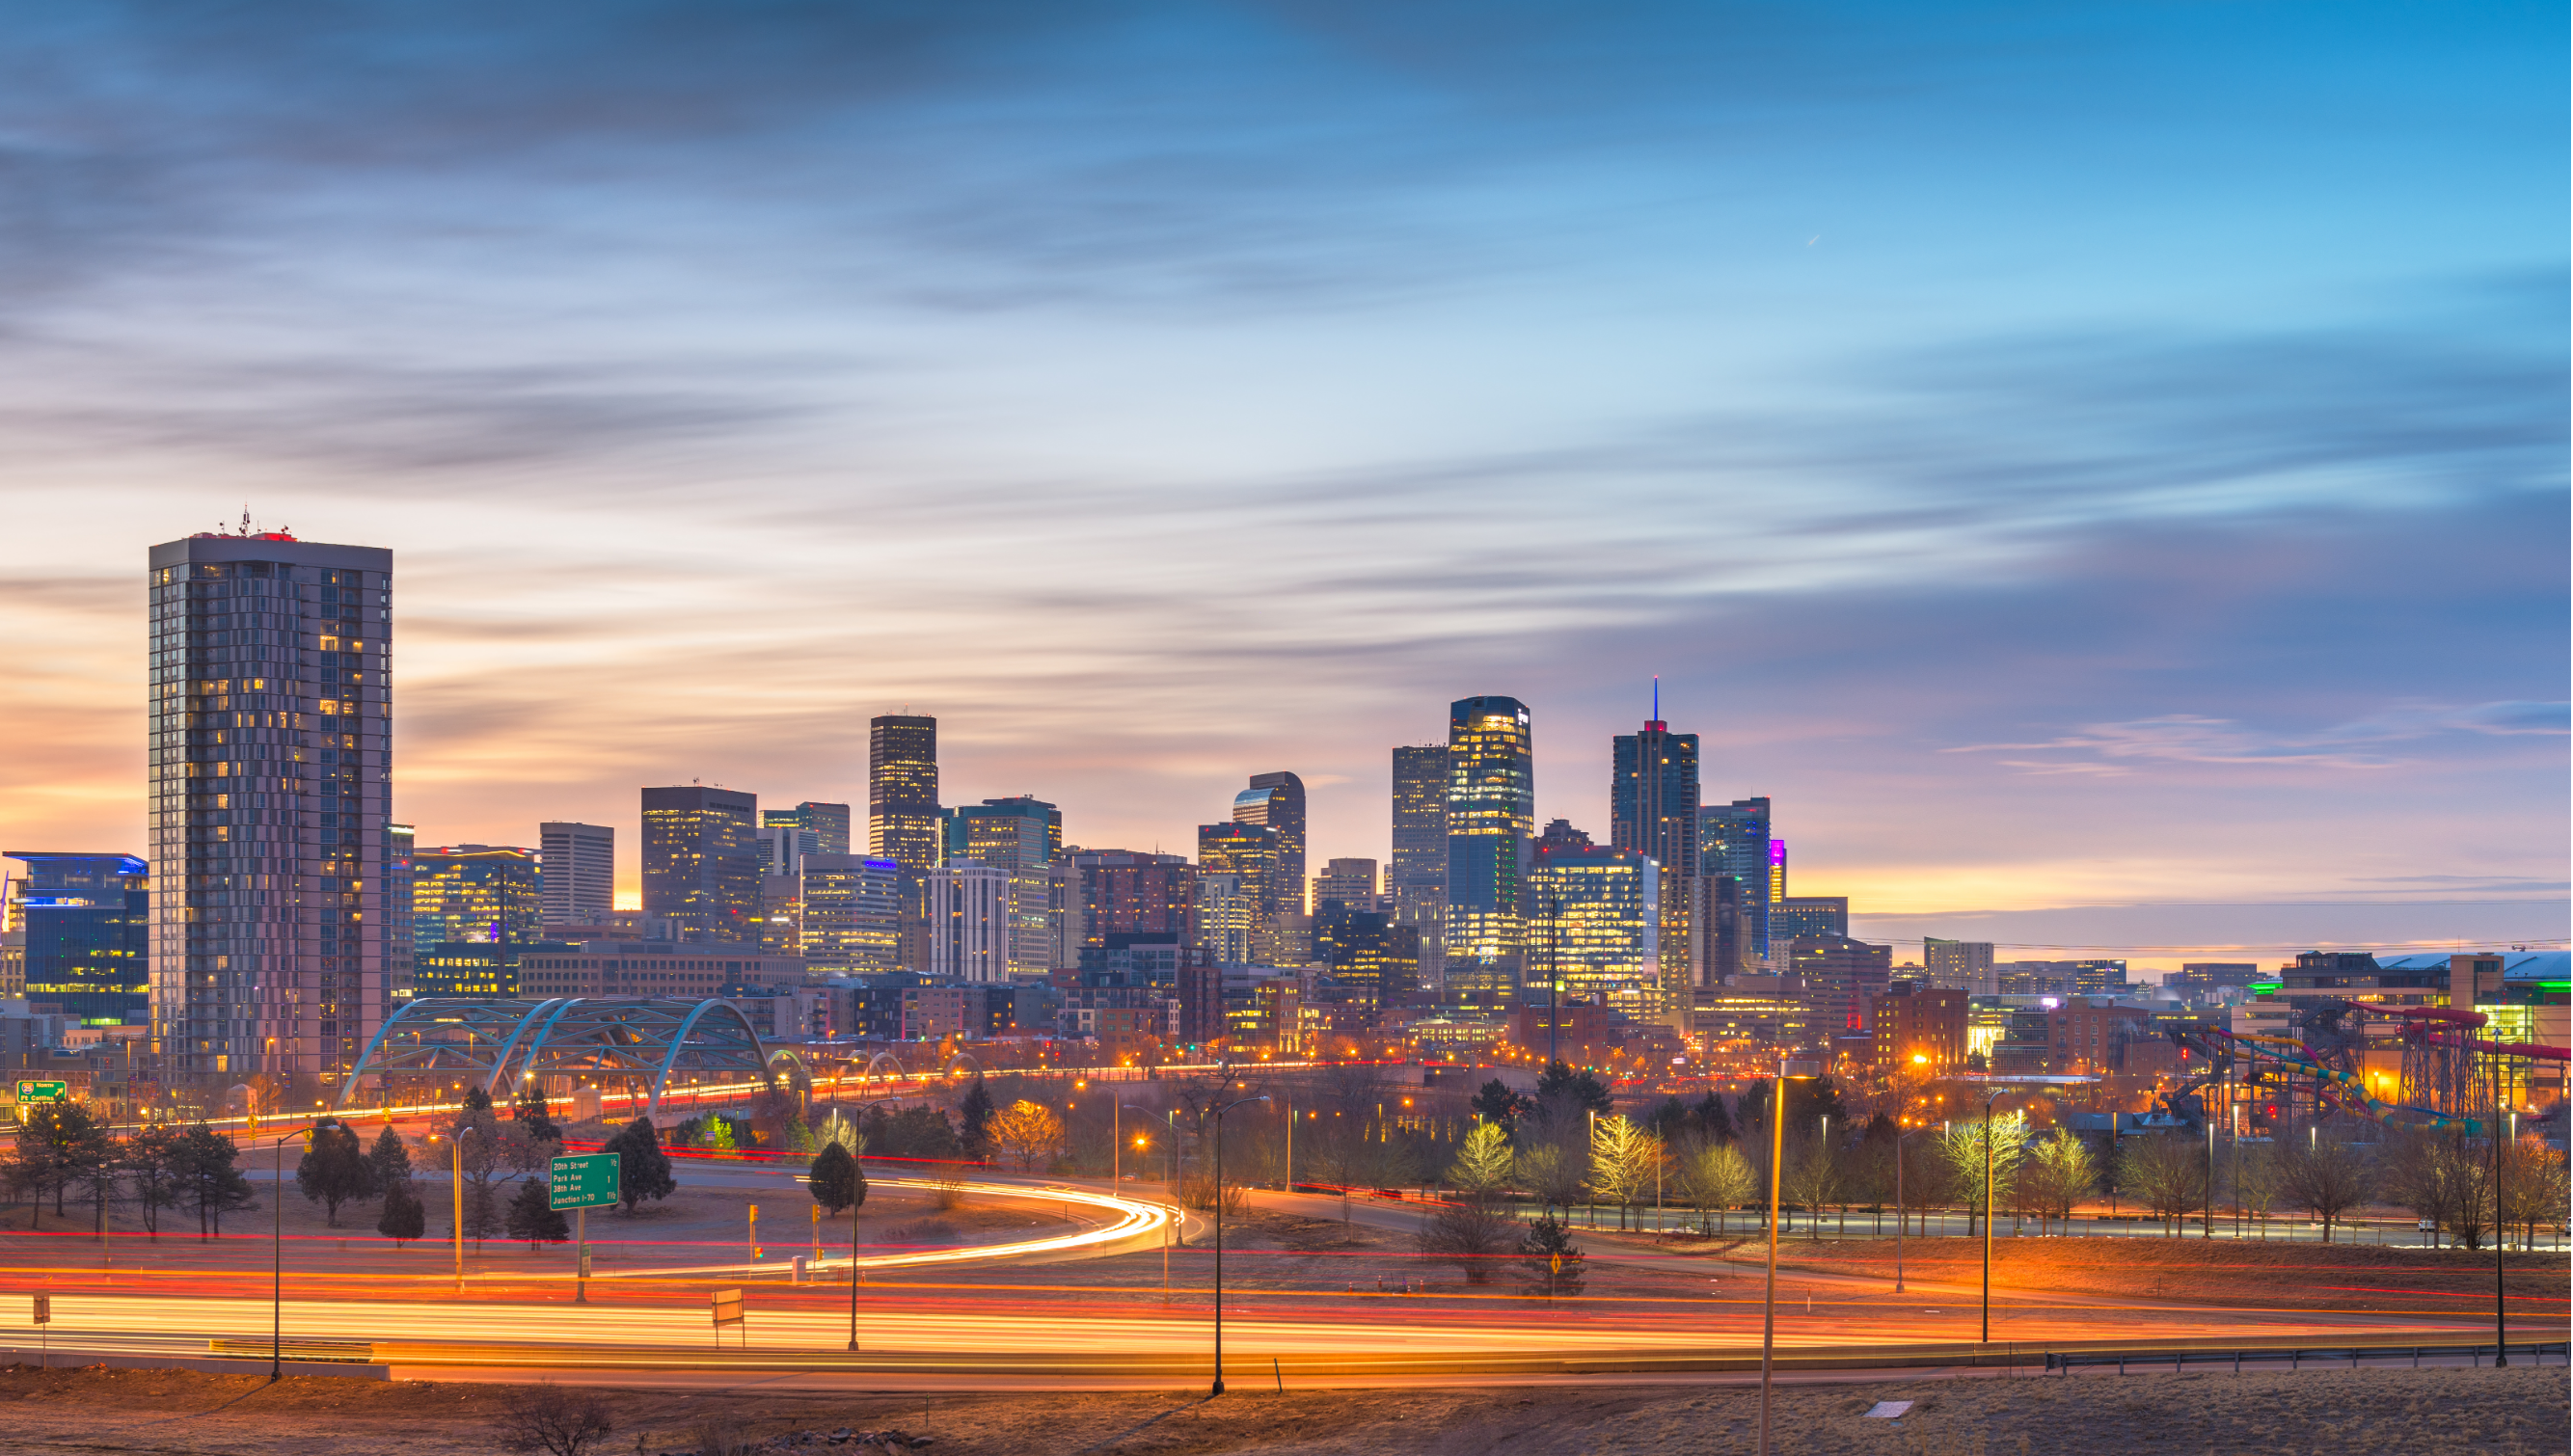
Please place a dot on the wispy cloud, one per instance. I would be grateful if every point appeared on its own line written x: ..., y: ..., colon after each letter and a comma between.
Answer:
x: 2111, y: 749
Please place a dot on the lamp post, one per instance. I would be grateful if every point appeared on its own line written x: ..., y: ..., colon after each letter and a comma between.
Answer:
x: 277, y: 1255
x: 1220, y: 1109
x: 1769, y: 1298
x: 2501, y: 1243
x: 455, y: 1193
x: 1988, y: 1098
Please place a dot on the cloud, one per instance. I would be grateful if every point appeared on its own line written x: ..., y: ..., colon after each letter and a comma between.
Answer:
x: 2099, y: 748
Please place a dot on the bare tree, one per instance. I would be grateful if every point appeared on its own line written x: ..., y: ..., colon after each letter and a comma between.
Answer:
x: 2162, y: 1174
x: 1713, y: 1178
x: 1471, y: 1236
x: 2328, y: 1178
x: 551, y: 1419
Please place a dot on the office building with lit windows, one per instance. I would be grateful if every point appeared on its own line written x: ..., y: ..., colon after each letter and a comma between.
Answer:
x: 83, y: 924
x: 1491, y: 816
x: 969, y: 923
x: 1733, y: 840
x: 1131, y: 893
x: 270, y: 722
x: 852, y: 912
x: 1653, y: 809
x: 1227, y: 910
x: 1349, y: 880
x: 701, y: 862
x: 1275, y: 802
x: 1842, y: 978
x: 1595, y: 926
x: 1958, y: 965
x: 1415, y: 879
x: 902, y: 816
x: 1809, y: 915
x: 821, y: 829
x: 577, y: 863
x: 486, y: 893
x: 1247, y: 856
x: 1022, y: 837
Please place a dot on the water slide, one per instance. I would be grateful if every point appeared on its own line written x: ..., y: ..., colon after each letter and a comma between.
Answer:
x: 2348, y: 1088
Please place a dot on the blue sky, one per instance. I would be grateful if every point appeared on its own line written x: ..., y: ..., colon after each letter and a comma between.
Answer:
x: 2066, y: 456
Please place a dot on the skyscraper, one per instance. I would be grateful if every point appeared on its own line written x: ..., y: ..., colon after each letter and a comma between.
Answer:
x: 269, y: 730
x: 1022, y: 837
x: 1594, y: 919
x: 1733, y: 840
x: 1131, y: 892
x: 579, y: 871
x: 969, y: 923
x: 1351, y: 882
x: 1652, y: 810
x: 852, y: 912
x: 85, y: 926
x: 1246, y: 854
x: 476, y: 892
x: 902, y: 790
x: 1277, y: 801
x: 821, y: 829
x: 1491, y: 812
x: 701, y: 864
x: 1416, y: 880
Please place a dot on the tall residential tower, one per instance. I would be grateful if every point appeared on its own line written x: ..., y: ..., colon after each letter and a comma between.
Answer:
x: 1653, y: 811
x: 1491, y: 814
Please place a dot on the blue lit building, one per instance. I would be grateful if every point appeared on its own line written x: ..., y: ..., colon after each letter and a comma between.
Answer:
x: 87, y: 922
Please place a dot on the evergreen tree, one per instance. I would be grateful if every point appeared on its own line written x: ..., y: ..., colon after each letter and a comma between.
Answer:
x: 151, y: 1165
x: 388, y: 1159
x: 1714, y: 1120
x: 333, y: 1169
x: 210, y: 1183
x: 477, y: 1099
x: 833, y: 1178
x: 1496, y: 1102
x: 642, y: 1168
x: 1549, y: 1261
x: 1670, y: 1120
x: 533, y: 1217
x: 403, y: 1218
x: 530, y: 1111
x: 1584, y: 1090
x: 976, y: 1115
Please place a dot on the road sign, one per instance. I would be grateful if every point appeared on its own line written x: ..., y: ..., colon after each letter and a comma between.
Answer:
x: 727, y: 1307
x: 583, y: 1181
x: 44, y: 1309
x: 30, y: 1090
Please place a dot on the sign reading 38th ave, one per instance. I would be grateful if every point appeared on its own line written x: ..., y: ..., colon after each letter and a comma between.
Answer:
x: 583, y: 1181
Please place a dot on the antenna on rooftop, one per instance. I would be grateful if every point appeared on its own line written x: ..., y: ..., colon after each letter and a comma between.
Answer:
x: 1657, y: 697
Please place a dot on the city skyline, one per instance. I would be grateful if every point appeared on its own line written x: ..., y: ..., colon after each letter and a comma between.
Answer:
x: 2130, y: 479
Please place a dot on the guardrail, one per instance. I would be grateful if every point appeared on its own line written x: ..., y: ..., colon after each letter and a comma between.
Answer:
x: 2295, y: 1356
x: 302, y: 1352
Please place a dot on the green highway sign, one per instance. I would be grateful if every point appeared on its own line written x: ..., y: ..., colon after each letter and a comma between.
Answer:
x: 583, y: 1181
x: 43, y: 1091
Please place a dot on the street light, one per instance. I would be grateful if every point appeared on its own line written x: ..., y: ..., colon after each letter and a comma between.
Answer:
x: 276, y: 1252
x: 1898, y: 1215
x: 1777, y: 1153
x: 1220, y: 1109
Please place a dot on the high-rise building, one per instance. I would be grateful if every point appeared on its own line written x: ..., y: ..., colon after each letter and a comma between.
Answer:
x: 1131, y: 892
x: 2209, y: 975
x: 1920, y: 1030
x: 1652, y: 810
x: 852, y: 912
x: 1726, y: 938
x: 1416, y: 877
x: 1809, y: 915
x: 270, y: 715
x: 83, y: 924
x: 902, y: 790
x: 1594, y: 924
x: 486, y: 893
x: 702, y: 863
x: 1022, y: 837
x: 1958, y: 965
x: 1733, y: 840
x: 1277, y: 802
x: 1351, y: 882
x: 1491, y: 814
x: 578, y: 865
x: 821, y: 829
x: 1227, y: 912
x: 1246, y: 854
x: 1842, y: 979
x: 1777, y: 872
x: 401, y: 845
x: 969, y: 923
x: 1371, y: 957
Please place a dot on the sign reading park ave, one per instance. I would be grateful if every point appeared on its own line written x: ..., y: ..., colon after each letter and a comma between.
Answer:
x: 583, y: 1181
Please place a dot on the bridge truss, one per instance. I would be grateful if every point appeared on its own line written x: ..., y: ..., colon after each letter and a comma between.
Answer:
x: 503, y: 1045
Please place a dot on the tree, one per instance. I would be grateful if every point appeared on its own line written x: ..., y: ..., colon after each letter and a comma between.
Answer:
x: 1549, y: 1261
x: 1712, y: 1178
x: 1483, y: 1166
x: 975, y: 1113
x: 477, y: 1099
x: 553, y: 1420
x: 1585, y: 1092
x: 404, y: 1220
x: 2162, y: 1174
x: 642, y: 1168
x: 833, y: 1178
x: 921, y: 1132
x: 1027, y: 1131
x: 1554, y: 1178
x: 2062, y: 1172
x: 1468, y: 1235
x: 1714, y: 1120
x: 56, y: 1141
x: 1963, y: 1152
x: 2533, y: 1189
x: 529, y: 1112
x: 837, y: 1130
x: 390, y: 1161
x: 533, y: 1217
x: 1670, y: 1120
x: 2438, y: 1179
x: 1624, y: 1162
x: 1812, y: 1176
x: 2327, y: 1179
x: 333, y: 1169
x: 2257, y: 1182
x: 151, y: 1169
x: 209, y: 1181
x: 1497, y: 1103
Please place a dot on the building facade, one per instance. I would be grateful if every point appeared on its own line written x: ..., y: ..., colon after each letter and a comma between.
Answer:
x: 1653, y: 811
x: 969, y: 923
x: 1842, y: 979
x: 578, y: 868
x: 852, y: 912
x: 1491, y: 817
x: 1349, y: 880
x: 268, y: 738
x: 1275, y: 802
x: 701, y: 862
x: 492, y: 894
x: 1920, y: 1028
x: 1958, y: 965
x: 1415, y: 879
x: 1131, y: 892
x: 1809, y: 915
x: 1246, y: 908
x: 82, y: 928
x: 1594, y: 926
x: 821, y: 829
x: 1733, y: 842
x: 1022, y: 838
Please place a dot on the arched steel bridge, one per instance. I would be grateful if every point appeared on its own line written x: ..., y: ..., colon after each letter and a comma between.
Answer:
x: 503, y: 1043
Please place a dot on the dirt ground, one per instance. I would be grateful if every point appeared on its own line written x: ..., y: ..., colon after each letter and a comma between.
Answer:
x: 2335, y: 1412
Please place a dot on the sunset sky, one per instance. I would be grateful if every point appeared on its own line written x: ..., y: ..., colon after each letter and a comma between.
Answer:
x: 2099, y: 469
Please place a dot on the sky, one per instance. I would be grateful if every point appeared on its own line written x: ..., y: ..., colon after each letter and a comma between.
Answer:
x: 2099, y: 469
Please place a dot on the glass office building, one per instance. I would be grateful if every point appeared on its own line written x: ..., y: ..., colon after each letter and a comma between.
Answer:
x: 84, y: 923
x: 1491, y: 813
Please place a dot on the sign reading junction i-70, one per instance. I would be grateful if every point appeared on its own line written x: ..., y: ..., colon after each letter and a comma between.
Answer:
x: 583, y: 1181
